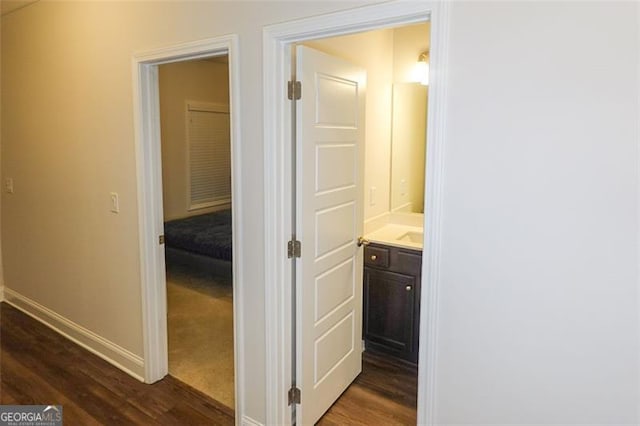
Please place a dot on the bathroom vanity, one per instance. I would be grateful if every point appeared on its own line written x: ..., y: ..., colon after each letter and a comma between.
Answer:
x: 391, y: 305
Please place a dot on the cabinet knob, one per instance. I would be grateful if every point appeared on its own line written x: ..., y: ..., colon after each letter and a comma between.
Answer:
x: 408, y: 288
x: 374, y: 257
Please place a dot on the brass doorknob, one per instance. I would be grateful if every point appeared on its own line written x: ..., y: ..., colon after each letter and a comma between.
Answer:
x: 374, y: 257
x: 363, y: 242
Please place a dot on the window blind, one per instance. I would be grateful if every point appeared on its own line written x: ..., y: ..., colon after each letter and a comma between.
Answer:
x: 209, y: 157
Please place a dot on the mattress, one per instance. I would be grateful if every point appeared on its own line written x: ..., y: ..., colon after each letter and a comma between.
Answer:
x: 208, y: 234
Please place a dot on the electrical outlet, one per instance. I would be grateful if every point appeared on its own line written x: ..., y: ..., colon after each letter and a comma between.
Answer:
x: 372, y: 196
x: 403, y: 187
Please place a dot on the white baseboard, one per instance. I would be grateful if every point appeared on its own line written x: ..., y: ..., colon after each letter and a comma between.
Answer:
x: 405, y: 208
x: 119, y: 357
x: 248, y: 421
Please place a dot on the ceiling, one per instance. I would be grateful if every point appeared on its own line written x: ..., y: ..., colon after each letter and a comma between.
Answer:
x: 8, y: 6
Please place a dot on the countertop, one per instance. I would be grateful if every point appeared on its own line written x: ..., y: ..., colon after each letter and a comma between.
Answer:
x: 391, y: 234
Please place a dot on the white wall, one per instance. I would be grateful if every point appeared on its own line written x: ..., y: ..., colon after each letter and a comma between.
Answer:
x: 538, y: 316
x: 202, y: 81
x: 539, y: 298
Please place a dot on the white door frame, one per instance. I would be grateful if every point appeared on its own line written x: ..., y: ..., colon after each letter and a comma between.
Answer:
x: 150, y: 212
x: 277, y: 40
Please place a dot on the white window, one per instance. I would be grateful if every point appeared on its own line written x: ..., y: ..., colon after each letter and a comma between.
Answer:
x: 209, y: 155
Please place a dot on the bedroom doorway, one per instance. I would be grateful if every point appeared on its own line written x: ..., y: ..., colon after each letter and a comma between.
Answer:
x: 197, y: 200
x: 201, y: 276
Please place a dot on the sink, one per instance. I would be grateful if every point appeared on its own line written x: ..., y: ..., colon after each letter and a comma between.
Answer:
x: 412, y: 237
x: 409, y: 237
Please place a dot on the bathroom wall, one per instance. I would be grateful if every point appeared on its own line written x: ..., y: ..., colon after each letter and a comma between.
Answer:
x: 203, y: 81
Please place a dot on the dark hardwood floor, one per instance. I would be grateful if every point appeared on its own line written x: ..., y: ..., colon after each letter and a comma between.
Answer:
x: 39, y: 366
x: 385, y: 393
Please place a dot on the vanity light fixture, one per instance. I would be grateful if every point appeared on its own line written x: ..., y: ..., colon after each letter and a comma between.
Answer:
x: 421, y: 69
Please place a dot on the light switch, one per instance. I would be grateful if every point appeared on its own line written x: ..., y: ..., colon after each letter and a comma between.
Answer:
x: 115, y: 202
x: 8, y: 184
x: 372, y: 196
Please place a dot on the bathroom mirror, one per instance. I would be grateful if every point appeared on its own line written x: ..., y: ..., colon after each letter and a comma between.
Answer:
x: 408, y: 147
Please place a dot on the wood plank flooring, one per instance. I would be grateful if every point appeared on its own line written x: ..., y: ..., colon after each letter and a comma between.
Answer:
x: 38, y: 366
x: 385, y: 393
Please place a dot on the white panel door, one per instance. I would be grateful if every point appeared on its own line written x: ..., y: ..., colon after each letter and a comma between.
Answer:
x: 330, y: 138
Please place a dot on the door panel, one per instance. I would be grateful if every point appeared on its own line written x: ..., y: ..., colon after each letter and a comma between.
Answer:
x: 336, y: 105
x: 334, y: 228
x: 330, y: 138
x: 331, y: 291
x: 333, y: 346
x: 344, y: 158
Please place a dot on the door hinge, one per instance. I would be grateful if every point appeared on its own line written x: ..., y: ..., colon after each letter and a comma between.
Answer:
x: 294, y: 90
x: 161, y: 239
x: 294, y: 249
x: 294, y: 396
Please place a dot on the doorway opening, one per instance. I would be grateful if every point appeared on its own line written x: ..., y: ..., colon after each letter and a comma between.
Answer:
x: 190, y: 216
x: 284, y: 169
x: 360, y: 145
x: 197, y: 201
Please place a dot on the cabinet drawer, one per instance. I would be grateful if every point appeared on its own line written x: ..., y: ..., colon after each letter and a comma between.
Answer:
x: 376, y: 256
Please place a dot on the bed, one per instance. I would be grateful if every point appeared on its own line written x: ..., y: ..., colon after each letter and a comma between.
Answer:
x: 207, y: 235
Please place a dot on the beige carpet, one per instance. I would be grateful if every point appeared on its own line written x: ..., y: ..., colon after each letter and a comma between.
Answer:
x: 200, y: 328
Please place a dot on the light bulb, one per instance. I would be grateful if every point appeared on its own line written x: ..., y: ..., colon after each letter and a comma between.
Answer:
x: 421, y: 69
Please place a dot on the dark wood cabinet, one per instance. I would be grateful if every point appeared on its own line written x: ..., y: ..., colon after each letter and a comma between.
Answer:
x: 391, y: 302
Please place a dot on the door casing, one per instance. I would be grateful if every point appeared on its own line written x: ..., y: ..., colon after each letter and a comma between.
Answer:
x: 150, y: 211
x: 278, y: 140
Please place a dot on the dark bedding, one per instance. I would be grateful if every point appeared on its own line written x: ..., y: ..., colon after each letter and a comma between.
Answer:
x: 207, y: 234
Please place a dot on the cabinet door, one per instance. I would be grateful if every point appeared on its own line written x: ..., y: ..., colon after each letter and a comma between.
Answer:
x: 389, y: 302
